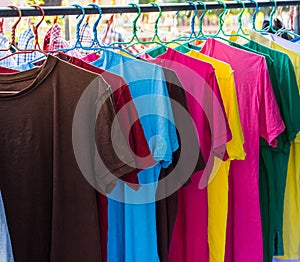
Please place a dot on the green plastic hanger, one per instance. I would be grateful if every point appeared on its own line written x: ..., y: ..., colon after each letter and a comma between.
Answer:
x: 200, y: 31
x: 221, y: 20
x: 202, y: 36
x: 156, y: 36
x: 156, y: 28
x: 240, y: 28
x: 134, y: 29
x: 152, y: 41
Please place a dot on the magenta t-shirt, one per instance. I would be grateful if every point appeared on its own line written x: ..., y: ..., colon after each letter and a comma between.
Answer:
x: 260, y: 117
x: 189, y: 239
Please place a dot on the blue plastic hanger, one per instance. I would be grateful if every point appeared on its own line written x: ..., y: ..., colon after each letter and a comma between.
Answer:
x: 77, y: 42
x: 193, y: 34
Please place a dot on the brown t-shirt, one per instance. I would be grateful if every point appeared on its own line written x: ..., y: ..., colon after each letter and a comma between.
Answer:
x: 51, y: 208
x: 121, y: 97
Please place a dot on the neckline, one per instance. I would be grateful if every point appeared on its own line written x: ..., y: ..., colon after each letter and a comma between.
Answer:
x: 38, y: 75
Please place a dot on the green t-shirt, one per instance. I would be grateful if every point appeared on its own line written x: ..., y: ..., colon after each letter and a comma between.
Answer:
x: 159, y: 50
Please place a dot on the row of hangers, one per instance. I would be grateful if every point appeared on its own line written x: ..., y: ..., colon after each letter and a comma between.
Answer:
x: 97, y: 46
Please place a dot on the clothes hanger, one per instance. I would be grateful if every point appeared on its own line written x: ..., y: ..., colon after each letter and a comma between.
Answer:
x: 192, y: 25
x: 282, y: 30
x: 270, y: 27
x: 156, y: 36
x: 156, y: 39
x: 254, y: 14
x: 221, y: 30
x: 134, y: 30
x: 77, y: 43
x: 152, y: 41
x: 201, y: 34
x: 13, y: 32
x: 35, y: 28
x: 95, y: 45
x: 204, y: 36
x: 193, y: 34
x: 240, y: 28
x: 200, y: 31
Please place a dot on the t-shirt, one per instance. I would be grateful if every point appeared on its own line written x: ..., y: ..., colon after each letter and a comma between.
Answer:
x: 166, y: 209
x: 295, y: 57
x: 273, y: 181
x: 291, y: 231
x: 150, y: 95
x: 285, y: 43
x: 291, y: 226
x: 260, y: 116
x: 199, y: 81
x: 4, y: 70
x: 136, y: 138
x: 218, y: 186
x: 6, y: 253
x: 50, y: 163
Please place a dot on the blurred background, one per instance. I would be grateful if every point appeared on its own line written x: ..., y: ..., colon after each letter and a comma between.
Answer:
x: 171, y: 24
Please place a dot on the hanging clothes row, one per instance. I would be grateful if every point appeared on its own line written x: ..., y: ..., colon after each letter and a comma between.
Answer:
x: 186, y: 152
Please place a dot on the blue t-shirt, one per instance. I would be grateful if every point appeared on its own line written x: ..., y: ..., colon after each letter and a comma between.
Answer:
x: 6, y: 254
x: 132, y: 226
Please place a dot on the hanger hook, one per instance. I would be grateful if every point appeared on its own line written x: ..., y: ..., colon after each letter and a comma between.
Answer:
x: 271, y: 16
x: 220, y: 17
x: 13, y: 28
x: 201, y: 17
x: 193, y: 19
x: 134, y: 29
x: 97, y: 21
x: 80, y: 21
x: 255, y: 13
x: 43, y: 15
x: 156, y: 21
x: 35, y: 27
x: 240, y: 17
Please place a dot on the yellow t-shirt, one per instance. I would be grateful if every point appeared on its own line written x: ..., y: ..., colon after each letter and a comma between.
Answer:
x: 291, y: 213
x: 218, y: 186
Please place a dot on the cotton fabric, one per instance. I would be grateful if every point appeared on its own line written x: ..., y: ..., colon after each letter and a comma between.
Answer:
x: 139, y: 243
x: 258, y: 107
x: 198, y: 79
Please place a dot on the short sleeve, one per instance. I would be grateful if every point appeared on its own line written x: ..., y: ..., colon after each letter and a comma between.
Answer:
x: 220, y: 130
x: 234, y: 147
x: 290, y: 99
x: 104, y: 137
x: 298, y: 138
x: 271, y: 124
x: 165, y: 125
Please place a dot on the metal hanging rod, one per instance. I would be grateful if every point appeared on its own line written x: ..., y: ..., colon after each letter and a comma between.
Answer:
x: 70, y: 10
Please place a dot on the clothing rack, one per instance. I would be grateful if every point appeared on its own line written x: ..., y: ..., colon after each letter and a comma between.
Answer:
x: 70, y: 10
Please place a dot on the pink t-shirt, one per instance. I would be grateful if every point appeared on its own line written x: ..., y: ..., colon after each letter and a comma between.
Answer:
x: 260, y: 117
x: 90, y: 57
x: 189, y: 239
